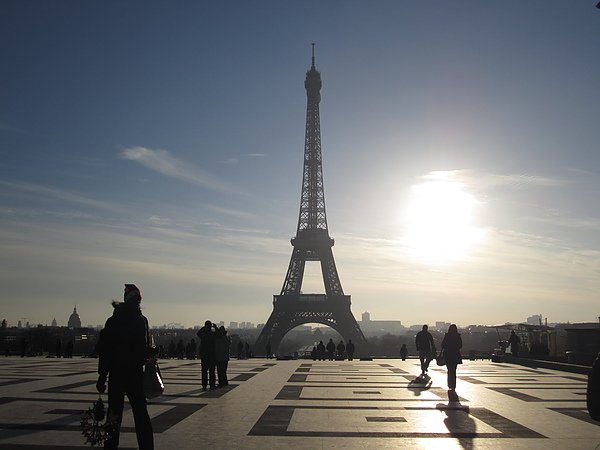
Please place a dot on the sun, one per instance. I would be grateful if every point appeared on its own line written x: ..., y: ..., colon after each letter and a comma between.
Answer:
x: 439, y: 222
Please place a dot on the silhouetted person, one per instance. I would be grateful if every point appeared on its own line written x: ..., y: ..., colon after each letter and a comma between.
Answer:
x: 180, y: 349
x: 240, y: 349
x: 58, y: 348
x: 331, y: 349
x: 425, y: 347
x: 341, y: 349
x: 69, y: 349
x: 191, y: 349
x: 321, y: 351
x: 208, y: 354
x: 123, y: 349
x: 451, y: 346
x: 247, y: 350
x: 403, y: 352
x: 350, y: 350
x: 313, y: 353
x: 172, y: 351
x: 268, y: 350
x: 515, y: 342
x: 23, y: 347
x: 222, y: 345
x: 593, y: 390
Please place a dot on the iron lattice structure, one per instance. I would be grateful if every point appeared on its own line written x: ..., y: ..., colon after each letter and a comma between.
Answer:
x: 312, y: 243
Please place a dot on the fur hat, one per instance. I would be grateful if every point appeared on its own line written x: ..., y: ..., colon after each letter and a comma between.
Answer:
x: 132, y: 293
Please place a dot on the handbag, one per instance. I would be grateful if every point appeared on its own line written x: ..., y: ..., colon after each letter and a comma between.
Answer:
x: 153, y: 383
x: 440, y: 359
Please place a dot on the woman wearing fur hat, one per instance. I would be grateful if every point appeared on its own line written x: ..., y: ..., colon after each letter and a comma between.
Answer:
x: 123, y: 348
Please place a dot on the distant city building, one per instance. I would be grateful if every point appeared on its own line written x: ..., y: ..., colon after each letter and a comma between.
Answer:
x: 74, y: 320
x: 221, y: 324
x: 260, y: 325
x: 376, y: 327
x: 233, y: 325
x: 442, y: 326
x: 54, y: 323
x: 536, y: 319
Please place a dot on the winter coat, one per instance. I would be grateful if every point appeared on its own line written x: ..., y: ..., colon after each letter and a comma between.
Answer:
x: 330, y: 347
x: 124, y: 343
x: 424, y: 341
x: 451, y: 346
x: 208, y: 337
x: 222, y: 345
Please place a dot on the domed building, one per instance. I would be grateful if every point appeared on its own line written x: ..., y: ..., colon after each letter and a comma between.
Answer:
x: 74, y: 319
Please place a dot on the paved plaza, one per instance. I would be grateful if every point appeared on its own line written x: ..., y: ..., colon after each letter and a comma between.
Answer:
x: 310, y: 405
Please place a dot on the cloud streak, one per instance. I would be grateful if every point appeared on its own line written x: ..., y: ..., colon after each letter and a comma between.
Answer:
x: 60, y: 194
x: 163, y: 162
x: 490, y: 180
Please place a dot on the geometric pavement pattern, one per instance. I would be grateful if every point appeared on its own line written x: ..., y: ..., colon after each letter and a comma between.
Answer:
x: 309, y: 404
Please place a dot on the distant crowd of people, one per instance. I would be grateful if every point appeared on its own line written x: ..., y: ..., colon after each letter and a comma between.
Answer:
x: 333, y: 352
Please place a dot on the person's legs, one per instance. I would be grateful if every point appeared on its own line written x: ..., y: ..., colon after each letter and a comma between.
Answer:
x: 225, y: 364
x: 137, y: 400
x: 221, y: 372
x: 116, y: 399
x: 212, y: 365
x: 451, y: 376
x: 422, y: 358
x: 204, y: 364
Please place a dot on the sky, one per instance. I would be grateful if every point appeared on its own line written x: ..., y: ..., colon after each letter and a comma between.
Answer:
x: 162, y: 144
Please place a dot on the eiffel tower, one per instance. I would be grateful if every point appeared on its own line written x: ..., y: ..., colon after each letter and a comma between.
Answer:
x: 312, y: 243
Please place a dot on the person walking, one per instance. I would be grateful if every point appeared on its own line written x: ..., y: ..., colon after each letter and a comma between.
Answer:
x: 403, y: 352
x: 268, y: 350
x: 350, y: 350
x: 331, y: 349
x: 208, y: 356
x: 515, y: 343
x: 123, y: 349
x: 247, y: 350
x: 222, y: 347
x: 321, y: 351
x: 425, y: 347
x: 451, y: 345
x: 240, y: 350
x: 341, y: 349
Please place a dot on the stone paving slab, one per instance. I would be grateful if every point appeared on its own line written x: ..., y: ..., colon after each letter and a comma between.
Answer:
x: 309, y: 405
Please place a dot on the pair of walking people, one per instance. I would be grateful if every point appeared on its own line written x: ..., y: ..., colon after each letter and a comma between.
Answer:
x: 451, y: 345
x: 214, y: 354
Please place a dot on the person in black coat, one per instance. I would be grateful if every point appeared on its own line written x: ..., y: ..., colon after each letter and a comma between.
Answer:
x: 593, y: 390
x: 425, y: 347
x: 208, y: 354
x: 451, y: 346
x: 515, y: 343
x: 331, y: 349
x: 350, y: 350
x: 123, y: 349
x: 321, y: 351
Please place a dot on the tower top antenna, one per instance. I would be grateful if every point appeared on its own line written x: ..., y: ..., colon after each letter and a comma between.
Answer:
x: 313, y: 55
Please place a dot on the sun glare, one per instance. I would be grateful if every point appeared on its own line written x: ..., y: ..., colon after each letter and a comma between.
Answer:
x: 440, y: 222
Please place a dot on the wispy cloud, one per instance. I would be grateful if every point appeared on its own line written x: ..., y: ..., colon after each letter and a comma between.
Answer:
x: 256, y: 155
x: 230, y: 161
x: 164, y: 163
x: 489, y: 180
x: 60, y: 194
